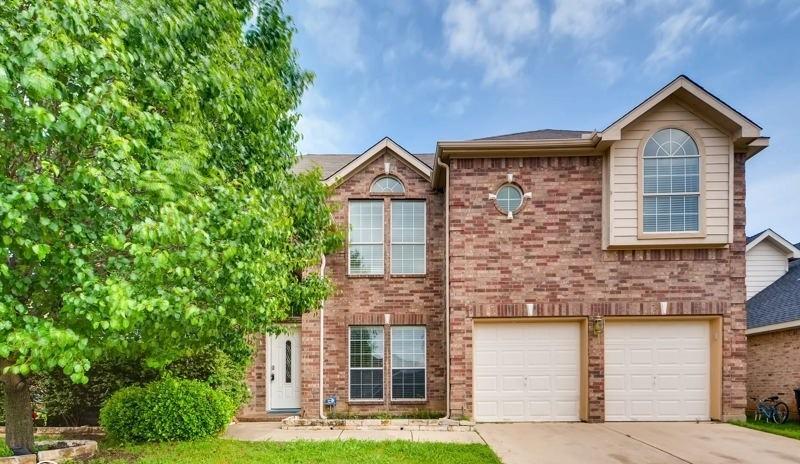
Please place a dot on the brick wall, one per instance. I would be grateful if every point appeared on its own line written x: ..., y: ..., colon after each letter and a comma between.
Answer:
x: 773, y: 361
x: 550, y: 255
x: 361, y: 300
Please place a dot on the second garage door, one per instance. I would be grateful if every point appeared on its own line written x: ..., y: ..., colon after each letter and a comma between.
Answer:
x: 657, y: 370
x: 527, y: 371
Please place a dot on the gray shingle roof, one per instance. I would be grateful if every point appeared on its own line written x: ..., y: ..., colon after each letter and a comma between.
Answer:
x: 778, y: 303
x: 541, y: 134
x: 330, y: 164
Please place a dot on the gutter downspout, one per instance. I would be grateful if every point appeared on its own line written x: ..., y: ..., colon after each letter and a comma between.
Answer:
x: 322, y: 346
x: 446, y: 283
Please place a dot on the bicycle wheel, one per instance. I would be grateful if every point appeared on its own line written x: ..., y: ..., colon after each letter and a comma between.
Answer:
x: 781, y: 413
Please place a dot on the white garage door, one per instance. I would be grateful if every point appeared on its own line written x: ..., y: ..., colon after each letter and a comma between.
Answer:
x: 527, y: 371
x: 657, y: 371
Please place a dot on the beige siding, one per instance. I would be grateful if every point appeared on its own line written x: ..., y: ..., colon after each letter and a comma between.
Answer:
x: 765, y: 264
x: 716, y: 153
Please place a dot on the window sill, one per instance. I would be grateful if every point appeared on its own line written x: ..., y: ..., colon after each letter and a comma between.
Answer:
x: 408, y: 276
x: 410, y: 401
x: 366, y: 276
x: 366, y: 402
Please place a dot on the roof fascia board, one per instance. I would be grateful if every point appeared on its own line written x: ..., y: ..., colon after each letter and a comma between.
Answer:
x: 773, y: 327
x: 355, y: 165
x: 747, y: 127
x: 791, y: 250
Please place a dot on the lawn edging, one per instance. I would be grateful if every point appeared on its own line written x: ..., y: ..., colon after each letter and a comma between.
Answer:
x: 431, y: 425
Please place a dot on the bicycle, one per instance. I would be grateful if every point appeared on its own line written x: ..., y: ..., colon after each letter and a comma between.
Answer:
x: 771, y: 408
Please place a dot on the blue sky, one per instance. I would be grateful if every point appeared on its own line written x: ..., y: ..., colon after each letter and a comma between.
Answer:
x: 426, y: 70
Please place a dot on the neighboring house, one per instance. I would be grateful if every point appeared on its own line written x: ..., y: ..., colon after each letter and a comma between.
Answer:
x: 773, y: 318
x: 540, y: 276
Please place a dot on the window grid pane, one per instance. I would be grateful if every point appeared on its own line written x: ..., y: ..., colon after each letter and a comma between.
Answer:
x: 408, y: 237
x: 408, y: 362
x: 509, y: 198
x: 671, y: 166
x: 366, y: 362
x: 387, y: 185
x: 366, y: 237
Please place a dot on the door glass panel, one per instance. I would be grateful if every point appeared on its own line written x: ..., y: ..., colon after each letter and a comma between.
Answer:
x: 288, y: 361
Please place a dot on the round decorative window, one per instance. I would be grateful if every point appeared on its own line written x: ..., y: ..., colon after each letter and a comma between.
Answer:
x: 509, y: 198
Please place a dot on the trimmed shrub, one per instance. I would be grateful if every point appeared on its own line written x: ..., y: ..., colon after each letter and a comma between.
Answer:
x: 166, y: 410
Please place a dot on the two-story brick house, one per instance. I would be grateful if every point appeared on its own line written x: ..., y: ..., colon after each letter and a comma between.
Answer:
x: 539, y: 276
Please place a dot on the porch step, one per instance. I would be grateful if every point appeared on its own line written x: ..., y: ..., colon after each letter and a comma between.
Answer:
x: 271, y: 416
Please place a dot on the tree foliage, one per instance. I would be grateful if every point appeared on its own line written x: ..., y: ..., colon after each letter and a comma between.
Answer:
x: 146, y: 201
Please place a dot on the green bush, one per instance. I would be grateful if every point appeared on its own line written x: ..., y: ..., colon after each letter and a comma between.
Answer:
x: 166, y: 410
x: 60, y: 402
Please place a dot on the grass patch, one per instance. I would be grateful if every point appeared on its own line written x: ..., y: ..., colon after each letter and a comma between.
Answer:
x: 789, y: 429
x: 222, y: 451
x: 4, y: 449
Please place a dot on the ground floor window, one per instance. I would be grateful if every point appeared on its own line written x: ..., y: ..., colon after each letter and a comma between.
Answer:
x: 408, y: 363
x: 366, y: 362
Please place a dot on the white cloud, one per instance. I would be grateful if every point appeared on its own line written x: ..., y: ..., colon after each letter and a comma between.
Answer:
x: 452, y: 108
x: 335, y: 27
x: 319, y: 134
x: 677, y: 34
x: 584, y: 19
x: 491, y: 34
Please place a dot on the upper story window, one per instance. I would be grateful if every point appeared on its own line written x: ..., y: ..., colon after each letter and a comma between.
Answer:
x: 387, y: 184
x: 366, y: 237
x: 509, y: 198
x: 671, y: 183
x: 408, y: 237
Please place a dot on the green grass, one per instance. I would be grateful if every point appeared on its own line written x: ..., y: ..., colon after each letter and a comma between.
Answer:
x: 4, y: 450
x: 789, y: 429
x: 221, y: 451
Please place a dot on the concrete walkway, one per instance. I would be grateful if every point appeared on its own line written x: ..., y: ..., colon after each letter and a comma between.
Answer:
x: 271, y: 431
x: 637, y: 443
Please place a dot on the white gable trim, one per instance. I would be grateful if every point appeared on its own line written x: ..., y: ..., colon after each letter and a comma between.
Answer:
x: 357, y: 164
x: 790, y: 250
x: 748, y: 129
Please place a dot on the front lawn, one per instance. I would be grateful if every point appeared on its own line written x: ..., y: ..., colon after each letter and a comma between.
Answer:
x: 221, y: 451
x: 789, y: 429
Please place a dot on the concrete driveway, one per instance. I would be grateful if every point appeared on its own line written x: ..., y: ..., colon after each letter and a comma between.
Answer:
x: 637, y: 443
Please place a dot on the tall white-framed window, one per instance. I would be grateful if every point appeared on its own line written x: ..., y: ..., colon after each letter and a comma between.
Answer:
x: 365, y: 240
x: 409, y: 366
x: 366, y: 363
x: 671, y: 183
x: 408, y: 237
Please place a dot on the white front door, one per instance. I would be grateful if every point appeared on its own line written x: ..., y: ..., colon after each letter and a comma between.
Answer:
x: 657, y: 370
x: 284, y: 370
x: 527, y: 372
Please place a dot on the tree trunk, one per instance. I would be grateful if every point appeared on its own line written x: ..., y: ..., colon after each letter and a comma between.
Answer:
x: 19, y: 412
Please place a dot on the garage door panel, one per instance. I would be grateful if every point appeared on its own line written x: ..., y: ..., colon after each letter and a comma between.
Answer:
x: 539, y: 368
x: 659, y: 370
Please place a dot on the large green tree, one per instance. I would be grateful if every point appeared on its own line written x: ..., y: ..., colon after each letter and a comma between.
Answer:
x: 147, y: 206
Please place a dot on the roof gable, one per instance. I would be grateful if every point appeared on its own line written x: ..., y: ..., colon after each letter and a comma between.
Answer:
x: 698, y: 99
x: 372, y: 152
x: 781, y: 243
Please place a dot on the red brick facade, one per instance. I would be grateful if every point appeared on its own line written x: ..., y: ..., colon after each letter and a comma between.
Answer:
x: 774, y: 367
x: 548, y: 256
x: 366, y: 300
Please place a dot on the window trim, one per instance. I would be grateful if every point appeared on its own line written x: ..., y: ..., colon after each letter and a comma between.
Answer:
x: 391, y: 366
x: 350, y: 398
x: 701, y: 210
x: 382, y: 243
x: 424, y: 238
x: 385, y: 176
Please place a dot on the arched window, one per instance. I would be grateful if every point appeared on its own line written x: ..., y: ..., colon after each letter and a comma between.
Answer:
x: 671, y: 172
x: 387, y: 184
